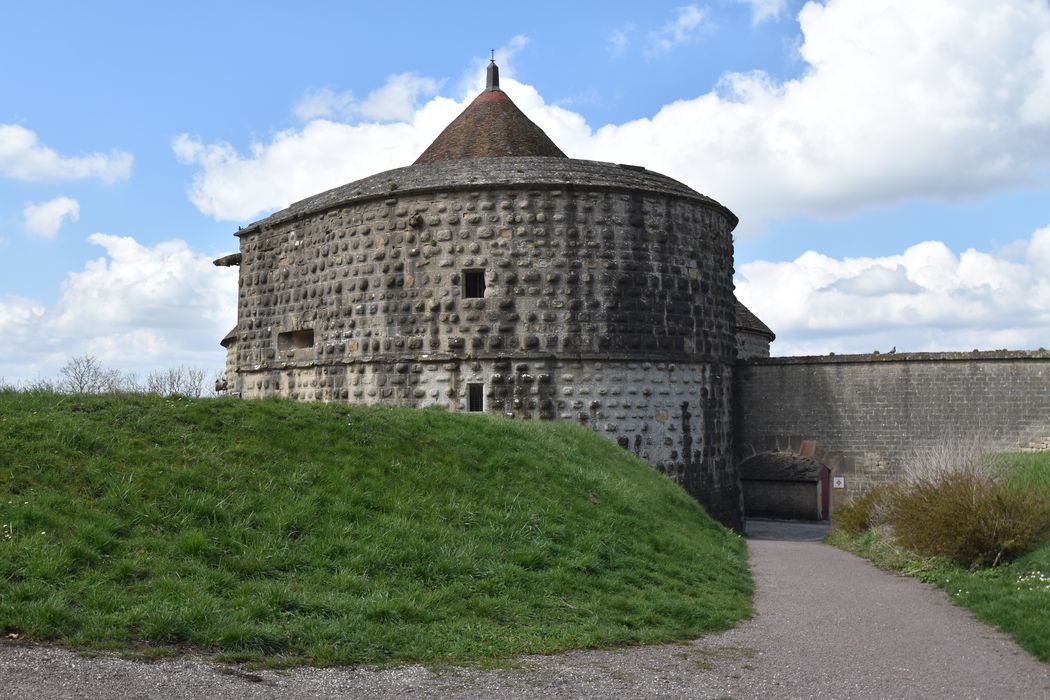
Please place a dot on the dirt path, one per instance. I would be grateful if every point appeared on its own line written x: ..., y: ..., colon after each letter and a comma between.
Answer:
x: 828, y: 625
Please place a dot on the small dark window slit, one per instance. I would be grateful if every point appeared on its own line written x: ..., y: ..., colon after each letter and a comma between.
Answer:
x: 475, y: 397
x: 473, y: 284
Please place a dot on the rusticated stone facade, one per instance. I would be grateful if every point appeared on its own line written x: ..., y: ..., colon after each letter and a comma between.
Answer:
x: 527, y: 287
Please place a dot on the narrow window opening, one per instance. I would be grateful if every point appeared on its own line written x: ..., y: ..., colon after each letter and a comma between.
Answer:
x: 473, y: 284
x: 295, y: 340
x: 475, y: 397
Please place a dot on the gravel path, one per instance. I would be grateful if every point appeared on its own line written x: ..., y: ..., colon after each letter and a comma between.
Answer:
x: 827, y: 625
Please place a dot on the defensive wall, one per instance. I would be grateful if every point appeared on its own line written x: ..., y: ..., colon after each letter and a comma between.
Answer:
x: 865, y: 416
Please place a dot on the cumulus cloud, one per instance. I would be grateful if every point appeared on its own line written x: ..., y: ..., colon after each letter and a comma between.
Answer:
x: 299, y: 162
x: 46, y: 218
x: 762, y: 10
x: 876, y: 281
x: 687, y: 26
x: 897, y: 101
x: 136, y: 308
x: 926, y: 298
x: 23, y: 157
x: 396, y: 100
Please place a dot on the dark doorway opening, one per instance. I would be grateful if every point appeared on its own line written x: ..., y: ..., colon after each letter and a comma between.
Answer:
x: 473, y: 284
x: 475, y: 398
x: 785, y: 486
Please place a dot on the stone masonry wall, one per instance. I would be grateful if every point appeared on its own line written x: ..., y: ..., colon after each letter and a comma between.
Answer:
x: 865, y: 416
x: 610, y: 308
x: 749, y: 344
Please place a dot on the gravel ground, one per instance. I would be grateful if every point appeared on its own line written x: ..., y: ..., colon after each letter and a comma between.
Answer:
x: 827, y: 625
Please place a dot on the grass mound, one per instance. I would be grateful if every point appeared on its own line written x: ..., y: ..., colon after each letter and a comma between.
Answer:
x: 305, y: 533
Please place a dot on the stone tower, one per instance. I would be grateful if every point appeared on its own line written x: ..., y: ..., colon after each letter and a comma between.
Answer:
x: 497, y: 275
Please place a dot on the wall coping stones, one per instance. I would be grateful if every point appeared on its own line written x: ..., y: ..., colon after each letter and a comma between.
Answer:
x: 870, y: 358
x: 525, y: 172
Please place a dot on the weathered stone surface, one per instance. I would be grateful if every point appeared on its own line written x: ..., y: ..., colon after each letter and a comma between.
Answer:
x: 866, y: 416
x: 608, y: 300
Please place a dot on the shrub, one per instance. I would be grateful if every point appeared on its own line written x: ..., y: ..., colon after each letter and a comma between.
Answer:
x: 863, y: 513
x: 970, y: 516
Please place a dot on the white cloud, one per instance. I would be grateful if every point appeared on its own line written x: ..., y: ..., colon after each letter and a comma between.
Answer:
x: 685, y: 27
x: 762, y: 10
x: 396, y: 100
x: 301, y: 162
x: 45, y: 219
x: 926, y: 298
x: 22, y: 157
x: 1036, y: 106
x: 898, y: 101
x: 876, y: 281
x: 619, y: 39
x: 137, y: 308
x: 323, y: 103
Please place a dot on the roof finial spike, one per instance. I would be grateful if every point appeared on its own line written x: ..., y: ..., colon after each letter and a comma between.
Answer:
x: 492, y: 75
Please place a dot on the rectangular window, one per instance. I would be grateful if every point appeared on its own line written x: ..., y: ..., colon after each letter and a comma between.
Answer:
x: 295, y: 340
x: 475, y: 397
x: 473, y: 284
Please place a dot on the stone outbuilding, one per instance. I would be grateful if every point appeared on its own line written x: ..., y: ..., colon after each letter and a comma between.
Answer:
x: 497, y: 275
x: 752, y: 336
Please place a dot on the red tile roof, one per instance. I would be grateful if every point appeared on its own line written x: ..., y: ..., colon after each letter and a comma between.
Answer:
x: 491, y: 126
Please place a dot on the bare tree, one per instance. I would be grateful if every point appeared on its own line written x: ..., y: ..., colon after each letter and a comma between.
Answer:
x: 117, y: 382
x: 83, y: 374
x: 182, y: 380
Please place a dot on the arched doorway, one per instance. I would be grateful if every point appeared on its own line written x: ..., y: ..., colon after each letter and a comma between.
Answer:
x: 784, y: 485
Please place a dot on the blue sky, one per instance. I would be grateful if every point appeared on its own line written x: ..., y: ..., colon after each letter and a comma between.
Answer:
x: 889, y: 160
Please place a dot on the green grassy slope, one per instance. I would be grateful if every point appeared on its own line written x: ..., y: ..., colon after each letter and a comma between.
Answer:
x: 339, y: 535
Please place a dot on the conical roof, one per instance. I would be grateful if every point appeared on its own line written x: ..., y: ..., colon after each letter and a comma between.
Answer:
x: 746, y: 320
x: 490, y: 126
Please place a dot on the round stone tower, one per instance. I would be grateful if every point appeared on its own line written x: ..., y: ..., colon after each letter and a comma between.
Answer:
x: 497, y: 275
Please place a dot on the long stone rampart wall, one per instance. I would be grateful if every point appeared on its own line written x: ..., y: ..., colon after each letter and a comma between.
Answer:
x: 868, y: 416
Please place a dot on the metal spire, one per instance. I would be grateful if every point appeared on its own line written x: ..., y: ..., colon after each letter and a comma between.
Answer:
x: 492, y: 75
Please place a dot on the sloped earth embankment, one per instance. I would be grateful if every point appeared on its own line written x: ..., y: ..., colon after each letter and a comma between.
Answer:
x: 827, y: 625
